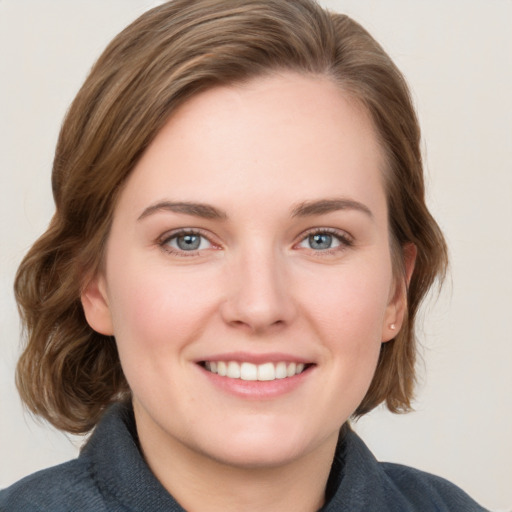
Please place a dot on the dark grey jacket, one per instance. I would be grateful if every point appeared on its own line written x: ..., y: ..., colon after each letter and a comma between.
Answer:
x: 110, y: 475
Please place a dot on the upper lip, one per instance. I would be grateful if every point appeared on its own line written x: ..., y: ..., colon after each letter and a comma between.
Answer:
x: 245, y: 357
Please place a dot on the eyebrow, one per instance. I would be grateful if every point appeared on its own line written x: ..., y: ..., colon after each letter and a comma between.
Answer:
x: 310, y: 208
x: 205, y: 211
x: 304, y: 209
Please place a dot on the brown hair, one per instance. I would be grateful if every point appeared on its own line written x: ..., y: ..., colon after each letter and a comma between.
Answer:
x: 69, y: 373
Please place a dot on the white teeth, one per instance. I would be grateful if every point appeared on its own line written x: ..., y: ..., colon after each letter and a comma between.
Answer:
x: 222, y: 368
x: 281, y: 372
x: 250, y: 371
x: 266, y: 372
x: 233, y: 370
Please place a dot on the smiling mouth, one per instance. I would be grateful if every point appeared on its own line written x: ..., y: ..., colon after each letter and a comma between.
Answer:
x: 259, y: 372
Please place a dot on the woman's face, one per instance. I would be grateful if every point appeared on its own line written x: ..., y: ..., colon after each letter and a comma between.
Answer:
x: 251, y: 238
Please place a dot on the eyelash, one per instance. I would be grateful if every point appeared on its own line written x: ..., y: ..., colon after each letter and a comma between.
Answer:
x: 164, y: 241
x: 344, y: 239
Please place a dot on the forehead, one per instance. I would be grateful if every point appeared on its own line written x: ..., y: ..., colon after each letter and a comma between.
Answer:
x: 291, y: 134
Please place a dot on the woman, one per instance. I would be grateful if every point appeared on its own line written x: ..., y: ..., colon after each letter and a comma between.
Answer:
x: 239, y: 249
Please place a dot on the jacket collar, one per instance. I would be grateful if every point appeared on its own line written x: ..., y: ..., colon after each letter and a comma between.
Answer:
x: 123, y: 477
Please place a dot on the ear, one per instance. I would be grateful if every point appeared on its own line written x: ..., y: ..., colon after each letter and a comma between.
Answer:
x: 397, y: 306
x: 96, y: 307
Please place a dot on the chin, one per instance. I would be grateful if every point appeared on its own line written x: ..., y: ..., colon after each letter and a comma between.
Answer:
x: 258, y: 448
x: 257, y: 456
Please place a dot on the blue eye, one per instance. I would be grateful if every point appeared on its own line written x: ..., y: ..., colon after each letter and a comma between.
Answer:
x: 325, y: 241
x: 187, y: 242
x: 321, y: 241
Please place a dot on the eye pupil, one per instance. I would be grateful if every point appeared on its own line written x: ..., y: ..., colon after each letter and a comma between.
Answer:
x: 188, y: 242
x: 320, y: 241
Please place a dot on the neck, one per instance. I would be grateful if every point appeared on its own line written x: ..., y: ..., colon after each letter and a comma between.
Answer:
x: 204, y: 484
x: 216, y: 487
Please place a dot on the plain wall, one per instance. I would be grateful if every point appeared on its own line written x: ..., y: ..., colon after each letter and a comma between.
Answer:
x: 456, y: 56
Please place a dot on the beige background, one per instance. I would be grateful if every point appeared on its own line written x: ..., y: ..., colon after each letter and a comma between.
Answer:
x: 457, y: 56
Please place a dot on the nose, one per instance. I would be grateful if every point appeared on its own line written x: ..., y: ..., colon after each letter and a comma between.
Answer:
x: 259, y: 297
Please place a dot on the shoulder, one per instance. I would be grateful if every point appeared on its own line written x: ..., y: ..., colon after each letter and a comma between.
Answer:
x: 423, y: 489
x: 68, y: 486
x: 364, y: 484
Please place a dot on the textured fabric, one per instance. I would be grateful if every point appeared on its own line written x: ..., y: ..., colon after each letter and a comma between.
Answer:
x: 110, y: 475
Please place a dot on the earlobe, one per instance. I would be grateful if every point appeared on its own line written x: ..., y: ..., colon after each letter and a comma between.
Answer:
x: 397, y: 307
x: 96, y: 307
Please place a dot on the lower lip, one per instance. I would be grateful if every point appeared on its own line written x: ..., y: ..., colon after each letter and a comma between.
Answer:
x: 257, y: 389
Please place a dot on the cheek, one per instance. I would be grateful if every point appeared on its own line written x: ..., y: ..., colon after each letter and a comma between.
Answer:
x: 158, y: 310
x: 156, y: 316
x: 352, y: 306
x: 349, y: 316
x: 349, y: 319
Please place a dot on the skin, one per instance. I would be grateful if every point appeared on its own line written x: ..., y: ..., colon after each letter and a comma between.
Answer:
x: 274, y: 159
